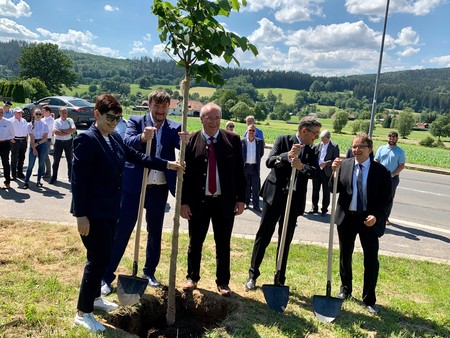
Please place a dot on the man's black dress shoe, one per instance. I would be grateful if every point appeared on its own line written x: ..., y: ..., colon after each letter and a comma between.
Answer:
x: 343, y: 295
x: 250, y: 285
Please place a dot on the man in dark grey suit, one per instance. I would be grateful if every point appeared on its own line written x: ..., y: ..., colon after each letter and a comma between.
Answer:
x: 252, y: 152
x: 326, y: 152
x: 364, y: 188
x: 288, y: 151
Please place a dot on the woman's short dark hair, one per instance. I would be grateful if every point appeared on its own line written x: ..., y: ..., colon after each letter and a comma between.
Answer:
x: 106, y: 103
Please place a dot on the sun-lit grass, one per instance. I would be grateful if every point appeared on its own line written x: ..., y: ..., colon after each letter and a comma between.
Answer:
x: 38, y: 295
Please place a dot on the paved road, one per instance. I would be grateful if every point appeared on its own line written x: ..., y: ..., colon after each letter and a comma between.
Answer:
x: 420, y: 217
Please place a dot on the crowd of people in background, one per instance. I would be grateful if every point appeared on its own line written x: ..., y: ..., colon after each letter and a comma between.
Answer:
x: 105, y: 167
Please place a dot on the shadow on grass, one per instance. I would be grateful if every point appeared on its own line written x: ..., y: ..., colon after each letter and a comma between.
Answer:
x: 412, y: 233
x: 387, y: 323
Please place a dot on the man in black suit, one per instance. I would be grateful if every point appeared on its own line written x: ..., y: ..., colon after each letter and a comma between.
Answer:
x: 287, y: 152
x: 326, y: 152
x: 364, y: 188
x: 252, y: 152
x: 213, y: 190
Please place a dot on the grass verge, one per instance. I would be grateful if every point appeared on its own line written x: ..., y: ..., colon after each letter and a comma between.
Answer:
x: 41, y: 266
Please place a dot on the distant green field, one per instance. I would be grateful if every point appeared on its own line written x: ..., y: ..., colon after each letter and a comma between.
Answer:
x: 287, y: 95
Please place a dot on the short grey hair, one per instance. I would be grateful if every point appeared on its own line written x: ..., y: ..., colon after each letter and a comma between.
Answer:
x: 210, y: 106
x: 325, y: 133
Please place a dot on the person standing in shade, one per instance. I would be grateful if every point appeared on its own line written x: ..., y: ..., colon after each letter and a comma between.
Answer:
x: 393, y: 158
x: 213, y: 190
x: 251, y: 120
x: 49, y: 121
x: 166, y: 139
x: 252, y: 152
x: 18, y: 144
x: 6, y: 135
x: 7, y: 112
x: 37, y: 131
x: 63, y: 130
x: 98, y: 162
x: 288, y: 151
x: 326, y: 152
x: 364, y: 188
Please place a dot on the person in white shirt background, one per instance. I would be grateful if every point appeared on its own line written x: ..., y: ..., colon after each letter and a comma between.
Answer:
x: 49, y: 121
x: 63, y: 130
x: 18, y: 144
x: 38, y: 132
x: 6, y: 135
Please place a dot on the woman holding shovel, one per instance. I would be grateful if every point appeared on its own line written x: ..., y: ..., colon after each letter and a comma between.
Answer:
x: 99, y: 159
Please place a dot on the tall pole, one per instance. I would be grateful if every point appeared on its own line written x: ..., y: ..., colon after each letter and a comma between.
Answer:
x: 375, y: 92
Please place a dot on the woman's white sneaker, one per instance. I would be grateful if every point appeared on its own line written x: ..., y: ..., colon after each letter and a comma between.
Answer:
x: 89, y: 322
x: 103, y: 304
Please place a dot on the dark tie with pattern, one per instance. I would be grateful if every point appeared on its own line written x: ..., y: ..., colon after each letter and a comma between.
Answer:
x: 212, y: 167
x: 359, y: 199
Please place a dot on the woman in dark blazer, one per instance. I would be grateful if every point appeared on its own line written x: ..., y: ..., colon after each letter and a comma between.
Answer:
x: 99, y: 159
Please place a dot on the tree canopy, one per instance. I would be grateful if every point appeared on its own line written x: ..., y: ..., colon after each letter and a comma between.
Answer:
x: 47, y: 63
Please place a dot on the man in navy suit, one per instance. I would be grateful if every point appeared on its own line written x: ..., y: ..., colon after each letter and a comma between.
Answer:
x: 326, y: 152
x: 364, y: 188
x: 213, y: 190
x: 165, y: 139
x: 288, y: 151
x: 252, y: 152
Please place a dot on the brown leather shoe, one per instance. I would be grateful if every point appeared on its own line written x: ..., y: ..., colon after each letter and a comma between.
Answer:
x: 190, y: 285
x: 224, y: 290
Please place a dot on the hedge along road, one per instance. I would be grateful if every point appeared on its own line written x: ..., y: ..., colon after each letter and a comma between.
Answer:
x: 420, y: 217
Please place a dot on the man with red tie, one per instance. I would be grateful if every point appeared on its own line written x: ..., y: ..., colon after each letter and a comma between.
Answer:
x: 213, y: 190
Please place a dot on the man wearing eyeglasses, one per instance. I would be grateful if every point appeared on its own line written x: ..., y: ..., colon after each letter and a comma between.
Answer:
x: 364, y: 188
x: 252, y: 152
x: 288, y: 151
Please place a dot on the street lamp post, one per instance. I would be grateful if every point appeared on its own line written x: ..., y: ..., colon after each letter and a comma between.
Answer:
x: 375, y: 92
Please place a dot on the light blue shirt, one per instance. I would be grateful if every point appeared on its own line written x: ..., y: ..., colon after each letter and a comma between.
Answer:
x: 391, y: 158
x: 365, y: 173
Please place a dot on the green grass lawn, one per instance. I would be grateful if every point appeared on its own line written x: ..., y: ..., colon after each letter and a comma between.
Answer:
x: 41, y: 266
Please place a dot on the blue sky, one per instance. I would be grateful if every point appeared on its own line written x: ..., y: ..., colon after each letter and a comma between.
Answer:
x: 318, y: 37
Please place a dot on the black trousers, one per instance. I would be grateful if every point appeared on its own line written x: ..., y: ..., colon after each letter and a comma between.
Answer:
x: 253, y: 184
x: 271, y: 214
x: 347, y: 231
x: 58, y: 148
x: 221, y: 213
x: 321, y: 182
x: 99, y: 246
x: 4, y: 154
x: 18, y: 151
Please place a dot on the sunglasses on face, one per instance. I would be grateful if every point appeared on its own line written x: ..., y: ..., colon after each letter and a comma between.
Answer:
x: 38, y: 114
x: 113, y: 118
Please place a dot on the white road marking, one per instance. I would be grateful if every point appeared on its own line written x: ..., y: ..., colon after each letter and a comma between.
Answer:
x: 424, y: 192
x: 418, y: 226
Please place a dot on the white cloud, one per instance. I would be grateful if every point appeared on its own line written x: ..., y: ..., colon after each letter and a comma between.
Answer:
x: 18, y: 9
x: 267, y: 33
x: 147, y: 37
x: 407, y: 37
x: 443, y: 61
x: 288, y: 11
x: 110, y: 8
x: 378, y: 7
x: 158, y: 51
x: 138, y: 48
x: 10, y: 29
x: 410, y: 51
x: 77, y: 41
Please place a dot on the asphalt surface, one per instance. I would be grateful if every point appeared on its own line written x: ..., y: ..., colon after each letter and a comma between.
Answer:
x: 404, y: 238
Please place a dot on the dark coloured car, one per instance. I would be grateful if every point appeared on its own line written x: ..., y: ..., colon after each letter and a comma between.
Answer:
x: 79, y: 110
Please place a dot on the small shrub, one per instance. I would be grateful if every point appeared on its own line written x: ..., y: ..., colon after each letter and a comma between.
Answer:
x: 428, y: 142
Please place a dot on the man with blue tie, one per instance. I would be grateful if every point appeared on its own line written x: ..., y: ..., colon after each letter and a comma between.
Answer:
x: 364, y: 188
x: 165, y: 139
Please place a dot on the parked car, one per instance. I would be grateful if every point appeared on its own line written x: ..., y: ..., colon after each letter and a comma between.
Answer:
x: 79, y: 110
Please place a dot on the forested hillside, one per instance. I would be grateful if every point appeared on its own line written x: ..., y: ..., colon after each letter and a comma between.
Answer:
x: 427, y: 89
